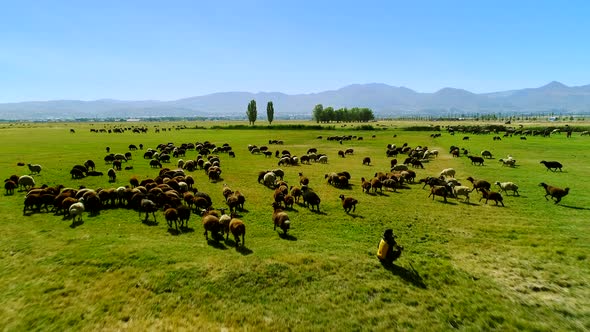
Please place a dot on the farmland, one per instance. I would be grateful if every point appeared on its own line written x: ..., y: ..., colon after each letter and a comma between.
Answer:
x: 472, y: 266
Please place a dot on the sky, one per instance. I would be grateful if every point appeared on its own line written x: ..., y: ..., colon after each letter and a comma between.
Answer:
x: 166, y: 50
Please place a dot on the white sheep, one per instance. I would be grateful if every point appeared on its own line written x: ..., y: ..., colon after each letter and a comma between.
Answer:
x: 505, y: 186
x: 462, y: 191
x: 269, y: 179
x: 323, y: 159
x: 76, y: 209
x: 34, y: 168
x: 448, y: 172
x: 26, y: 182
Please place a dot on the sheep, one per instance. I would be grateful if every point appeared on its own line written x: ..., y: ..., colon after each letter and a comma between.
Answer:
x: 171, y: 215
x: 365, y: 185
x: 494, y: 196
x: 348, y: 203
x: 211, y: 224
x: 508, y: 162
x: 26, y: 182
x: 479, y: 184
x: 552, y: 165
x: 303, y: 180
x: 390, y: 183
x: 112, y: 175
x: 148, y: 206
x: 289, y: 201
x: 399, y: 167
x: 76, y: 209
x: 296, y: 192
x: 505, y: 186
x: 462, y: 191
x: 376, y: 184
x: 154, y: 163
x: 32, y: 202
x: 486, y: 154
x: 34, y: 168
x: 448, y: 172
x: 323, y: 159
x: 310, y: 198
x: 269, y: 179
x: 280, y: 218
x: 224, y: 220
x: 237, y: 228
x: 475, y: 160
x: 367, y: 161
x: 555, y: 192
x: 439, y: 191
x: 9, y: 185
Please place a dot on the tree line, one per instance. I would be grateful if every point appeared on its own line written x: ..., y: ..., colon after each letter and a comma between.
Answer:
x: 355, y: 114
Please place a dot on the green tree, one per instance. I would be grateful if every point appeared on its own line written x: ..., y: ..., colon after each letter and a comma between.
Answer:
x: 252, y: 113
x: 270, y: 112
x: 318, y: 113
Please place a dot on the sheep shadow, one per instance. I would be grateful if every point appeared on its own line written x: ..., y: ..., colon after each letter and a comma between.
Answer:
x: 76, y: 224
x: 469, y: 203
x: 287, y: 237
x: 319, y: 212
x: 216, y: 243
x: 148, y: 222
x: 412, y: 276
x: 186, y: 229
x: 244, y: 250
x: 174, y: 232
x: 573, y: 207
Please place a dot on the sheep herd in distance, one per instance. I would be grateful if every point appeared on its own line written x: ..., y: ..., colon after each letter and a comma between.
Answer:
x: 173, y: 193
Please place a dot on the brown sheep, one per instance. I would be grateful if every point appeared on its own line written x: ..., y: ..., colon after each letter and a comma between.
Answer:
x: 367, y: 161
x: 303, y: 180
x: 280, y: 218
x: 211, y: 224
x: 439, y: 191
x: 479, y: 184
x: 237, y: 228
x: 555, y: 192
x: 365, y: 185
x: 348, y: 203
x: 296, y: 192
x: 494, y: 196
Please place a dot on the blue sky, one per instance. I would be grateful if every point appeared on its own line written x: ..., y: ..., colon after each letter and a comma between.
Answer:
x: 167, y: 50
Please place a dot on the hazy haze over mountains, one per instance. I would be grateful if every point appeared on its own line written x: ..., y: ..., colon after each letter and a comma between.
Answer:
x: 384, y: 100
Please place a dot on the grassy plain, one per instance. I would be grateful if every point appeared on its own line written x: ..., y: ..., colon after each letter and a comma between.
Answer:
x: 467, y: 266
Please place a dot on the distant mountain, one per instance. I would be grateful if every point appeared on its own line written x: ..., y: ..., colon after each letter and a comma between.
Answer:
x: 383, y: 99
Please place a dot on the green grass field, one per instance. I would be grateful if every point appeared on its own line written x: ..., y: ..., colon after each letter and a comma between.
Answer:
x: 467, y: 266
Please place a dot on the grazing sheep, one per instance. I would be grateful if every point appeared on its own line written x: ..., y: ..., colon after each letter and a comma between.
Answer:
x: 390, y: 183
x: 9, y: 185
x: 280, y: 218
x: 555, y: 192
x: 323, y: 159
x: 494, y: 196
x: 376, y: 184
x: 479, y: 184
x: 211, y: 224
x: 448, y: 172
x: 367, y: 161
x: 112, y: 175
x: 76, y: 209
x: 303, y: 180
x: 552, y: 165
x: 26, y: 182
x: 269, y: 179
x: 34, y: 168
x: 365, y: 185
x: 296, y: 192
x: 148, y: 206
x: 89, y: 164
x: 289, y: 201
x: 399, y: 168
x: 171, y: 215
x: 505, y: 186
x: 486, y: 154
x: 439, y: 191
x: 154, y: 163
x: 348, y: 203
x: 475, y: 160
x: 341, y: 153
x: 310, y: 198
x: 238, y: 228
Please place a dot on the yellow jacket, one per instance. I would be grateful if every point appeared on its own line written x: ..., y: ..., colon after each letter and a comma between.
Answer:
x: 383, y: 249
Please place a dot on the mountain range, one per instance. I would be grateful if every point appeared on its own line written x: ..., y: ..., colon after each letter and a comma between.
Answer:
x: 383, y: 99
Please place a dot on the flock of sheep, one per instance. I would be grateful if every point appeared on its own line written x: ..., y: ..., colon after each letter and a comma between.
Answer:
x: 173, y: 193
